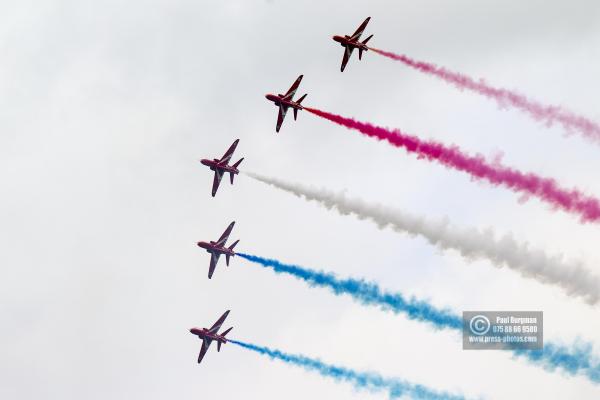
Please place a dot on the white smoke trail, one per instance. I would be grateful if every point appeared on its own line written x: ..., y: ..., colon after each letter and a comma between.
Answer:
x: 471, y: 243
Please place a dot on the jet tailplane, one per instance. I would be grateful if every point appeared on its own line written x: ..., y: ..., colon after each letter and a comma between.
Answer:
x: 298, y: 102
x: 231, y: 173
x: 360, y: 49
x: 219, y: 343
x: 227, y: 256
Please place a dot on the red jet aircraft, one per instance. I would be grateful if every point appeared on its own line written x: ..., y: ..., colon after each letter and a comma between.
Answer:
x: 217, y: 248
x: 221, y: 167
x: 285, y: 101
x: 352, y: 42
x: 208, y: 335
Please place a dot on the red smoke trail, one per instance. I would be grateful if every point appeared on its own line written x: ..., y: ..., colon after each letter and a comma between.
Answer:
x: 545, y: 188
x: 547, y: 114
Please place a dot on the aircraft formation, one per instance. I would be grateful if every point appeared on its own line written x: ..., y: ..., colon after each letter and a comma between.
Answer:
x: 571, y: 360
x: 221, y: 167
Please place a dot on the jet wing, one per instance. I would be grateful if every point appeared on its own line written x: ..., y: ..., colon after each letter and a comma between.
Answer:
x: 347, y: 53
x: 282, y: 111
x: 216, y: 180
x: 214, y: 259
x: 292, y: 90
x: 227, y: 156
x: 356, y: 35
x: 225, y: 235
x: 217, y: 325
x: 205, y: 345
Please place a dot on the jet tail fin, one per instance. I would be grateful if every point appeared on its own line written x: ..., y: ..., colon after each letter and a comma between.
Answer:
x: 237, y: 164
x: 231, y: 173
x: 233, y: 245
x: 223, y: 334
x: 219, y: 343
x: 227, y: 256
x: 298, y: 101
x: 227, y: 331
x: 360, y: 49
x: 301, y: 98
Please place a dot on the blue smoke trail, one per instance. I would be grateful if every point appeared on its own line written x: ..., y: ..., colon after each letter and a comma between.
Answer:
x: 366, y: 292
x: 370, y: 381
x: 573, y: 360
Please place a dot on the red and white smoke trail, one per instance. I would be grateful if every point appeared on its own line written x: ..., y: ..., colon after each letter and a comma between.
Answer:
x: 543, y: 113
x: 574, y: 201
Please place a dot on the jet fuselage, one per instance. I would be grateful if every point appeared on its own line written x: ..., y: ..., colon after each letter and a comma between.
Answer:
x: 279, y: 100
x: 345, y: 41
x: 215, y: 164
x: 205, y: 333
x: 211, y: 247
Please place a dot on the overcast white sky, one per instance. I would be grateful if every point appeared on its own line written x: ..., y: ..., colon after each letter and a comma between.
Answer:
x: 106, y: 108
